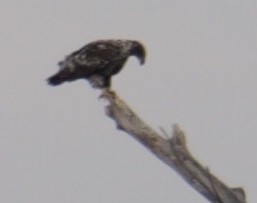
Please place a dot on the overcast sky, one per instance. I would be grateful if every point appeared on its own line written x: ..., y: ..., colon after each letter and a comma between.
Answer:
x: 57, y: 145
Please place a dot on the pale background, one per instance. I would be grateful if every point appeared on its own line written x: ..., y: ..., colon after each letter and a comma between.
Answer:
x: 56, y: 144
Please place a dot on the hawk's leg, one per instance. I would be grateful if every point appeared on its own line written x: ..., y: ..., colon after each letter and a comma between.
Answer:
x: 100, y: 82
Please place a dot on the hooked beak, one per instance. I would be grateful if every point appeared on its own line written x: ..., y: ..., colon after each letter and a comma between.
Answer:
x: 138, y: 51
x: 142, y: 60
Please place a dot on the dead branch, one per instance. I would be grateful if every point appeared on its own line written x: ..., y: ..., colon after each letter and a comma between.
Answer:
x: 172, y: 151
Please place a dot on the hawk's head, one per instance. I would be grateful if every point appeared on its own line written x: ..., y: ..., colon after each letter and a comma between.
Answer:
x: 138, y: 50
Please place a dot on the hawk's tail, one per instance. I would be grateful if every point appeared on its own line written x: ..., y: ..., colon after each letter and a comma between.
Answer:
x: 55, y: 80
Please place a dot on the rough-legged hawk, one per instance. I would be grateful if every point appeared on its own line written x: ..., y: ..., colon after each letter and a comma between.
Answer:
x: 97, y: 62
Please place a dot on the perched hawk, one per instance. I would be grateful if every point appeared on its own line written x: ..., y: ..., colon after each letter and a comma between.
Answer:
x: 97, y: 62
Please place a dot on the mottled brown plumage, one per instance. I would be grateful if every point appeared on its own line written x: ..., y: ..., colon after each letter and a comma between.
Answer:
x: 97, y: 62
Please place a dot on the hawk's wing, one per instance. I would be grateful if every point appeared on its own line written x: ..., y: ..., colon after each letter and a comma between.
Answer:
x: 97, y: 55
x: 96, y: 58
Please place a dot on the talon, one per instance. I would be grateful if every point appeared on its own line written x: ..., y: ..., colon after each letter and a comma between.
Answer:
x: 107, y: 93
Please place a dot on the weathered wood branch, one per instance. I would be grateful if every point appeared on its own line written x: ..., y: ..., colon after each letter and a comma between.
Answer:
x: 172, y: 151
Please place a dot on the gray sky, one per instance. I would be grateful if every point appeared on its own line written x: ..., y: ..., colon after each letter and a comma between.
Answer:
x: 56, y: 143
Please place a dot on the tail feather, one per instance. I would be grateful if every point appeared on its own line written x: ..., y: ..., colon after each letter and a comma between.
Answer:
x: 55, y: 80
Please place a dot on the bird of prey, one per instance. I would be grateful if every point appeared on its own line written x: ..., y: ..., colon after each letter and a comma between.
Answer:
x: 97, y: 62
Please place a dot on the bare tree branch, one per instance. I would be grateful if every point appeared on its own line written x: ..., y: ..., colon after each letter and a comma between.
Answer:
x: 172, y: 151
